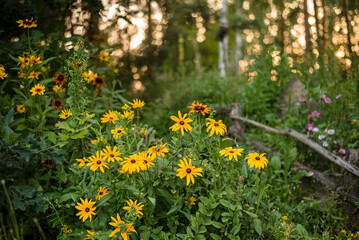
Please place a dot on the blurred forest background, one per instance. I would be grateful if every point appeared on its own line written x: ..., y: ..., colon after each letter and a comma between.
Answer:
x: 148, y: 37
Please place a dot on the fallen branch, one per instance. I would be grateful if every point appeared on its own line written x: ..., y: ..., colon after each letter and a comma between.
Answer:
x: 304, y: 139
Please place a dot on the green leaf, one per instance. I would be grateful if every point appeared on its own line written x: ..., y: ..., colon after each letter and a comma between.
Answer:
x: 261, y: 190
x: 68, y: 196
x: 46, y: 81
x: 65, y: 126
x: 25, y: 190
x: 250, y: 214
x: 217, y: 224
x: 152, y: 200
x: 8, y: 119
x: 227, y: 204
x: 275, y: 162
x: 236, y: 229
x: 21, y: 127
x: 200, y: 236
x: 226, y: 142
x: 21, y: 93
x: 215, y: 236
x: 258, y: 226
x: 302, y: 231
x: 80, y: 135
x: 202, y: 229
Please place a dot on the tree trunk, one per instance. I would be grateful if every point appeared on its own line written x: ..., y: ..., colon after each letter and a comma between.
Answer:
x: 238, y: 52
x: 345, y: 13
x: 149, y: 23
x: 282, y: 31
x: 319, y: 42
x: 223, y: 40
x: 324, y: 24
x: 197, y: 55
x: 308, y: 45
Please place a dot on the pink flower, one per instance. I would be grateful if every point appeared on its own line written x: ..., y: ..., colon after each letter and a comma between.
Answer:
x: 310, y: 126
x: 302, y: 99
x: 315, y: 113
x: 342, y: 151
x: 327, y: 100
x: 321, y: 137
x: 338, y: 96
x: 297, y: 103
x: 322, y: 96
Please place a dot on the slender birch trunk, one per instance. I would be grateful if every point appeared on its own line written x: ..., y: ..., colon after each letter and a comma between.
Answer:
x: 197, y: 55
x: 308, y: 44
x: 346, y: 15
x: 238, y: 52
x: 223, y: 41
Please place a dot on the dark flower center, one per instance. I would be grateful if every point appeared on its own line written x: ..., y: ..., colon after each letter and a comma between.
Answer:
x: 98, y: 80
x: 133, y: 161
x: 257, y: 158
x: 27, y: 22
x: 119, y: 131
x: 216, y: 124
x: 98, y: 162
x: 38, y: 90
x: 100, y: 193
x: 58, y: 103
x: 111, y: 155
x: 231, y: 151
x: 145, y: 161
x: 199, y: 108
x: 181, y: 122
x: 188, y: 170
x: 111, y: 118
x: 87, y: 210
x: 60, y: 78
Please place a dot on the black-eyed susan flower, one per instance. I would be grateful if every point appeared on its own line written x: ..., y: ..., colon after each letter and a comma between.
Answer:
x: 182, y: 123
x: 199, y: 107
x: 147, y: 159
x: 66, y: 230
x: 35, y: 59
x: 132, y: 164
x: 125, y: 107
x: 86, y: 209
x: 188, y: 170
x: 20, y: 108
x: 134, y: 208
x: 128, y: 115
x: 3, y: 74
x: 97, y: 162
x: 111, y: 154
x: 25, y: 62
x: 143, y: 131
x: 256, y: 160
x: 98, y: 81
x: 58, y: 89
x: 137, y: 103
x: 101, y: 192
x: 191, y: 201
x: 57, y: 104
x: 82, y: 162
x: 48, y: 163
x: 33, y: 75
x: 231, y: 152
x: 89, y: 235
x: 118, y: 224
x: 89, y: 76
x: 215, y: 127
x: 111, y: 116
x: 65, y: 113
x: 118, y: 132
x: 159, y: 150
x: 60, y: 78
x: 104, y: 56
x: 27, y: 23
x: 38, y: 89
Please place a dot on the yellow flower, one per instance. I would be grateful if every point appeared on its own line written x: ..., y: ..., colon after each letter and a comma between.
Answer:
x: 231, y: 152
x: 125, y: 107
x: 284, y: 218
x: 101, y: 192
x: 128, y: 114
x: 118, y: 224
x: 256, y: 160
x: 38, y: 89
x: 20, y: 108
x: 34, y: 75
x: 89, y: 76
x: 188, y: 170
x: 104, y: 56
x: 200, y: 108
x: 191, y: 201
x: 89, y: 235
x: 109, y: 117
x: 86, y: 209
x: 97, y: 162
x: 181, y: 123
x: 111, y: 155
x: 147, y: 159
x: 132, y: 164
x: 82, y: 162
x: 35, y: 59
x: 65, y: 113
x: 117, y: 132
x: 143, y: 131
x: 65, y: 229
x: 58, y: 89
x: 137, y: 103
x: 216, y: 127
x: 134, y: 207
x: 25, y: 62
x: 60, y: 78
x: 159, y: 150
x: 27, y: 23
x: 2, y: 72
x: 99, y: 139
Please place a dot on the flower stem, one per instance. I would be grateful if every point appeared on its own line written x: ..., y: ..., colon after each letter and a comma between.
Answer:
x: 28, y: 39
